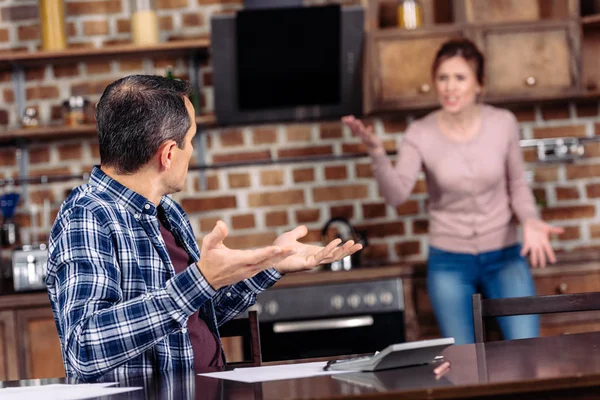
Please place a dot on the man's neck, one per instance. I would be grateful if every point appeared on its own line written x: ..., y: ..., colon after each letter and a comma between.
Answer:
x: 142, y: 182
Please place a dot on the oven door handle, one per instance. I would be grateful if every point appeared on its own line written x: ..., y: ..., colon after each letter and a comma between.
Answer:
x: 322, y: 324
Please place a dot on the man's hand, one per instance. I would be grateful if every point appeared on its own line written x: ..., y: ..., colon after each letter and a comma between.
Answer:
x: 222, y: 266
x: 309, y: 256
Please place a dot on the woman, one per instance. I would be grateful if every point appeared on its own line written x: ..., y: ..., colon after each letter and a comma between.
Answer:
x: 475, y: 180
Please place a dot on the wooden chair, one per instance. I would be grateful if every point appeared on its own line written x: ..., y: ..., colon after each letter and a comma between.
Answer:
x: 484, y: 308
x: 249, y: 330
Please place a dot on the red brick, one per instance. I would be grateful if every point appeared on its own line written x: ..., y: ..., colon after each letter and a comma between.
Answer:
x: 305, y: 216
x: 529, y: 154
x: 523, y: 113
x: 282, y: 198
x: 570, y: 212
x: 211, y: 182
x: 97, y: 67
x: 597, y: 128
x: 205, y: 2
x: 66, y: 70
x: 123, y: 25
x: 231, y: 138
x: 91, y: 28
x: 245, y: 221
x: 238, y: 180
x: 570, y: 233
x: 555, y: 111
x: 305, y: 151
x: 331, y: 130
x: 364, y: 171
x: 165, y: 23
x: 250, y: 240
x: 264, y: 136
x: 382, y: 229
x: 3, y: 117
x: 298, y: 133
x: 546, y: 174
x: 207, y: 78
x: 342, y: 211
x: 276, y: 218
x: 420, y: 226
x: 337, y: 172
x: 405, y: 249
x: 9, y: 96
x: 170, y: 4
x: 593, y: 190
x: 38, y: 196
x: 559, y: 131
x: 70, y: 151
x: 354, y: 148
x: 408, y: 208
x: 191, y: 205
x: 420, y: 186
x: 377, y: 210
x: 336, y: 193
x: 242, y: 157
x: 93, y: 7
x: 28, y: 32
x: 394, y: 124
x: 304, y: 175
x: 91, y: 87
x: 39, y: 172
x: 592, y: 149
x: 193, y: 19
x: 4, y: 35
x: 375, y: 252
x: 587, y: 108
x: 19, y: 13
x: 208, y: 224
x: 35, y: 73
x: 8, y: 157
x: 271, y: 178
x: 567, y: 193
x: 583, y: 171
x: 39, y: 155
x: 95, y: 149
x: 42, y: 92
x: 595, y: 231
x: 131, y: 65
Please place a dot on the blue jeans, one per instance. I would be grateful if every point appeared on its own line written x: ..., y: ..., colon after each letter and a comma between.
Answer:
x: 452, y: 278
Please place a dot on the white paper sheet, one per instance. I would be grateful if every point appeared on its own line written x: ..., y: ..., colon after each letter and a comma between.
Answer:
x: 274, y: 372
x: 63, y: 391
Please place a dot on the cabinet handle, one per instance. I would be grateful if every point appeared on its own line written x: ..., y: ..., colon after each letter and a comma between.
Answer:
x: 562, y: 288
x: 425, y: 88
x: 530, y: 81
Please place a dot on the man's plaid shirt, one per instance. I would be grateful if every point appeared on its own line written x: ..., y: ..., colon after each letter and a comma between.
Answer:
x: 117, y: 303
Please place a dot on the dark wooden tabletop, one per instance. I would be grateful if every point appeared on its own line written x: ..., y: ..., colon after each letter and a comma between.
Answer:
x: 559, y: 367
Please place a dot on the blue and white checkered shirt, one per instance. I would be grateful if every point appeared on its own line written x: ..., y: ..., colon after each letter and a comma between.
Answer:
x: 117, y: 303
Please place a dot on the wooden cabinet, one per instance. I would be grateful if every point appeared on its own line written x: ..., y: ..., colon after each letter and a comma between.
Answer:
x: 29, y: 344
x: 530, y: 61
x: 532, y: 50
x: 567, y: 278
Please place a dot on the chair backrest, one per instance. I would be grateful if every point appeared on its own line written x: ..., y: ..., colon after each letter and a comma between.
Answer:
x: 249, y: 330
x: 483, y: 308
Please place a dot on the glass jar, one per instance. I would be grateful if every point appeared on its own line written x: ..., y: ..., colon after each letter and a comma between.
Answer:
x: 144, y: 23
x: 75, y: 111
x: 410, y: 14
x: 52, y: 24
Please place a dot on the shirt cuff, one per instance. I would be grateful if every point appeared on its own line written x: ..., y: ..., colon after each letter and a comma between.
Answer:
x: 263, y: 280
x: 188, y: 290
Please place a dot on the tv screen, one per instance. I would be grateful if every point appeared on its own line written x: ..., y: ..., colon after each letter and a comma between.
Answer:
x: 288, y: 57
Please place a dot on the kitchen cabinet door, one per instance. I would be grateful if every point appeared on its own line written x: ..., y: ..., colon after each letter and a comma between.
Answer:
x: 531, y: 61
x: 398, y: 73
x: 591, y: 57
x: 40, y: 355
x: 8, y: 347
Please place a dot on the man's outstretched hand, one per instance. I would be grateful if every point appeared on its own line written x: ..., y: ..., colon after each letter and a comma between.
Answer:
x: 308, y: 256
x: 222, y: 266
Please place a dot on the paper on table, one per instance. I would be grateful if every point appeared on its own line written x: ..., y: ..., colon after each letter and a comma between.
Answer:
x: 273, y: 373
x: 63, y: 391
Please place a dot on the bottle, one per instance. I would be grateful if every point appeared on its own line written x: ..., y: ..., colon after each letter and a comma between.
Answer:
x: 193, y: 97
x: 144, y: 23
x: 52, y: 25
x: 410, y: 14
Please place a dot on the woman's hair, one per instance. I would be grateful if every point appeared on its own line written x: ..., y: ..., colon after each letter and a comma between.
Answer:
x: 465, y: 49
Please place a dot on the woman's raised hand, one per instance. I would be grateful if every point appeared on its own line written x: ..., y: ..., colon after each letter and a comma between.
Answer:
x: 365, y: 133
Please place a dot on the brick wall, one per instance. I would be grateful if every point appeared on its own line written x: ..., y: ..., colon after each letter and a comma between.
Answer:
x: 260, y: 202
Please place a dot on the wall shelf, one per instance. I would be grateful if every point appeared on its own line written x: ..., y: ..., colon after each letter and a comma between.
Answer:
x: 175, y: 48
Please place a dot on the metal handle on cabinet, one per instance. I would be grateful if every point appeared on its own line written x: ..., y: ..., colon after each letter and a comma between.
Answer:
x: 530, y: 81
x: 322, y: 324
x: 562, y: 288
x: 425, y: 88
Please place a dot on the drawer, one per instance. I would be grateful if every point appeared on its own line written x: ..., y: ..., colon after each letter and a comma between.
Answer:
x: 567, y: 283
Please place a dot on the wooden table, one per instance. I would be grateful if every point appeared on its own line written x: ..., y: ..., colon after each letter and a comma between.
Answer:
x: 559, y: 367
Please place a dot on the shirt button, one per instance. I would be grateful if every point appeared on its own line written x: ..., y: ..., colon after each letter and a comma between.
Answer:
x: 147, y: 206
x: 137, y: 216
x: 183, y: 330
x: 228, y: 294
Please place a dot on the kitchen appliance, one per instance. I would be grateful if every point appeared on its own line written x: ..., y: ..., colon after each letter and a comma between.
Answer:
x: 331, y: 319
x: 29, y: 267
x: 341, y: 228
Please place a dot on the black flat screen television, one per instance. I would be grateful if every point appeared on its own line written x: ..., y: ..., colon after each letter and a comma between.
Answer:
x: 293, y: 63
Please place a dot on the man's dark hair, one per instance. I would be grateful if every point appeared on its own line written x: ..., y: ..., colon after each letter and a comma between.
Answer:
x: 138, y: 113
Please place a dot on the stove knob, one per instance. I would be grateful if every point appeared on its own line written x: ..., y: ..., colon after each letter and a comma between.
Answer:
x: 386, y: 298
x: 272, y: 307
x: 337, y: 302
x: 370, y: 299
x: 354, y: 301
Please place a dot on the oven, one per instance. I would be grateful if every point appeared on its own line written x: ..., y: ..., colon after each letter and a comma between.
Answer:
x: 330, y: 319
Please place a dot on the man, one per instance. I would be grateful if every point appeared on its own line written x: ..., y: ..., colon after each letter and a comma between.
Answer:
x: 130, y: 291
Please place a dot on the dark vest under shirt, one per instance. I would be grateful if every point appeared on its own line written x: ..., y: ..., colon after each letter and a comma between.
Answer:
x: 206, y: 345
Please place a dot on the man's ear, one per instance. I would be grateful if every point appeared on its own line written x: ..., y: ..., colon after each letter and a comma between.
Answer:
x: 166, y: 154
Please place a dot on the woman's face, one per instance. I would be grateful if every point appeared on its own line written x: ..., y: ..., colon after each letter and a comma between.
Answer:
x: 456, y: 84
